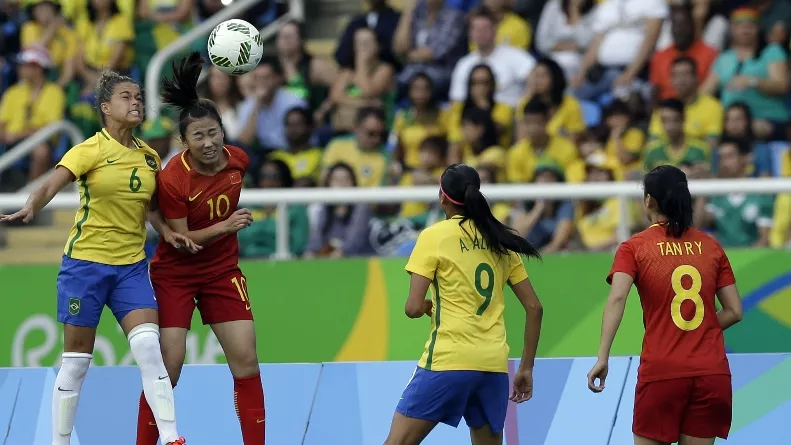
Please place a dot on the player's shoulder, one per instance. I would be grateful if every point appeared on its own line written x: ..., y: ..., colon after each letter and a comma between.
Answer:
x: 440, y: 229
x: 238, y: 156
x: 95, y: 143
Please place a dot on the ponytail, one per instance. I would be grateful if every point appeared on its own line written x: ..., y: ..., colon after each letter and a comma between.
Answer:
x: 669, y: 188
x: 677, y: 206
x: 499, y: 237
x: 181, y: 91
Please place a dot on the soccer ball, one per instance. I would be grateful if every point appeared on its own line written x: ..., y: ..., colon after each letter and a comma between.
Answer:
x: 235, y: 47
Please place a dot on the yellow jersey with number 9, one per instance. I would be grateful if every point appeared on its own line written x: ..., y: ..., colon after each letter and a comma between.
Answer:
x: 116, y: 185
x: 467, y: 325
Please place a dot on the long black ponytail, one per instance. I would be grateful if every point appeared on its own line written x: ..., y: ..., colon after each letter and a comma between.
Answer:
x: 461, y: 185
x: 668, y: 186
x: 181, y: 92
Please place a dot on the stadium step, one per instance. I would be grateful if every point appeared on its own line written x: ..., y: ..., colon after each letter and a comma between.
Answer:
x: 31, y: 256
x: 32, y: 237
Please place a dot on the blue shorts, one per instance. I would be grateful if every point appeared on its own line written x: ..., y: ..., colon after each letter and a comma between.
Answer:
x: 447, y: 396
x: 85, y: 287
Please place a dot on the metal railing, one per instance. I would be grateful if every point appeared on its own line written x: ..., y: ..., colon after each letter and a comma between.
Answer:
x: 24, y: 148
x: 158, y: 61
x: 503, y: 192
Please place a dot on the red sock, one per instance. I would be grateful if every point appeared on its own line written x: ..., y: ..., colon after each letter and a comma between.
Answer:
x: 248, y: 399
x: 147, y: 431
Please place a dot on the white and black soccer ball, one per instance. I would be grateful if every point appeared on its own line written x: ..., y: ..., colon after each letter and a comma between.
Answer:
x: 235, y: 47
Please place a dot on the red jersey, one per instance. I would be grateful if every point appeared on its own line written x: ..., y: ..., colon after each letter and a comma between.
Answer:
x: 204, y: 200
x: 677, y: 279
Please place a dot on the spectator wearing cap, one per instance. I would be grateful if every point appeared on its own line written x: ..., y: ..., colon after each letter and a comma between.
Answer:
x: 46, y: 27
x: 382, y: 19
x: 626, y: 32
x: 158, y: 134
x: 702, y: 112
x: 598, y: 220
x: 546, y: 224
x: 512, y: 30
x: 511, y: 66
x: 364, y: 152
x: 685, y: 45
x: 676, y: 148
x: 754, y: 74
x: 31, y: 104
x: 537, y: 144
x: 429, y: 39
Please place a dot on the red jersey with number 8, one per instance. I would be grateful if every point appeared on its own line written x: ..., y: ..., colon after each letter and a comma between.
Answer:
x: 182, y: 192
x: 677, y: 279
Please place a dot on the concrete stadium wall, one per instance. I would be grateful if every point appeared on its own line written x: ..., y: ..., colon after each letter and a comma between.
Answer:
x: 352, y: 404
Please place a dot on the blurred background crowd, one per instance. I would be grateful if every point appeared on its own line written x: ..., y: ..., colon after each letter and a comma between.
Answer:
x: 526, y: 91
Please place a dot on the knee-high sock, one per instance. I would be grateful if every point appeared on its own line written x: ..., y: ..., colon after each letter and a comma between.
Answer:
x: 248, y: 398
x: 144, y: 343
x: 147, y: 431
x: 66, y: 394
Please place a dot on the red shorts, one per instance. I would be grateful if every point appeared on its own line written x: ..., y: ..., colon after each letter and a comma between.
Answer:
x: 218, y: 300
x: 692, y: 406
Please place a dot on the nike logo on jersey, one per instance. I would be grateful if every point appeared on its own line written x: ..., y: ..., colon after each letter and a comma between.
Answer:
x: 260, y: 420
x: 247, y: 306
x: 110, y: 161
x: 193, y: 198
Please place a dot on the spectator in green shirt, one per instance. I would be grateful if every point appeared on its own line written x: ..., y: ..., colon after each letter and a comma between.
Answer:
x: 258, y: 240
x: 676, y: 148
x: 738, y: 219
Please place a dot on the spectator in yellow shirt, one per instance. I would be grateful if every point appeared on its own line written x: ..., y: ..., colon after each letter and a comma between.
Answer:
x: 501, y: 210
x: 433, y: 160
x: 537, y: 143
x: 46, y: 27
x: 106, y: 37
x: 598, y: 220
x: 414, y: 124
x: 29, y: 105
x: 703, y: 113
x: 480, y: 94
x: 625, y: 141
x: 548, y: 83
x: 481, y: 146
x: 512, y: 30
x: 303, y: 159
x: 591, y: 148
x: 364, y: 152
x: 780, y: 234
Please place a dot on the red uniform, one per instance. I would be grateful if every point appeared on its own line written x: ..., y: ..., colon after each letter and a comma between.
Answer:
x: 683, y: 384
x: 210, y: 279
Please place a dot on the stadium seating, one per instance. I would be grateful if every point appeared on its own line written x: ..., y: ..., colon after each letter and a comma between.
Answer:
x: 352, y: 404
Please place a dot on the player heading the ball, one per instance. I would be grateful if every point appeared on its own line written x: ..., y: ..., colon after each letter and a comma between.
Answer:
x: 683, y: 389
x: 198, y: 195
x: 466, y: 260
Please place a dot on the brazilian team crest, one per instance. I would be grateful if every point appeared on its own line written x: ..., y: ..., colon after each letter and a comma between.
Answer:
x: 74, y: 306
x: 151, y: 162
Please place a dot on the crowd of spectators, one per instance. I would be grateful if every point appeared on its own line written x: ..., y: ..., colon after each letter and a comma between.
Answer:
x: 601, y: 91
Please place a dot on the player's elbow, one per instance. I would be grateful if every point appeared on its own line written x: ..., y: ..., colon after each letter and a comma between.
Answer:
x: 737, y: 313
x: 535, y: 309
x: 413, y: 310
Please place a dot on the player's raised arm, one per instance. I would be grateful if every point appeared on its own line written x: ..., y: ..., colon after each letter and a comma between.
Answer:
x: 42, y: 195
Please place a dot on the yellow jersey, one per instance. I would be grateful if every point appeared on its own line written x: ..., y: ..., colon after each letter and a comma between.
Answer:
x: 410, y: 134
x: 18, y: 115
x: 522, y: 158
x: 467, y: 325
x: 600, y: 226
x: 502, y: 115
x: 565, y: 121
x: 702, y: 120
x: 304, y: 164
x: 633, y: 141
x: 61, y: 48
x: 98, y: 44
x: 369, y: 167
x: 116, y: 185
x: 512, y: 31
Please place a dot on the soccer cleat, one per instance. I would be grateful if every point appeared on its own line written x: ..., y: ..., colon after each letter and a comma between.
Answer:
x: 179, y: 441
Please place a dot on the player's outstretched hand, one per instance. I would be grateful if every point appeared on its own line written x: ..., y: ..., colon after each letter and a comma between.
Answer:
x: 599, y: 372
x: 239, y: 220
x: 523, y: 386
x: 24, y: 215
x: 182, y: 242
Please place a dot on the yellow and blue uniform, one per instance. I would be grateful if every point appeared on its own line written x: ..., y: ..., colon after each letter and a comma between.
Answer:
x: 104, y: 262
x: 464, y: 369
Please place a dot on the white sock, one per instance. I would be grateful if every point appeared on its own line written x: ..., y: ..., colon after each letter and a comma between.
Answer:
x: 144, y: 342
x: 66, y: 394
